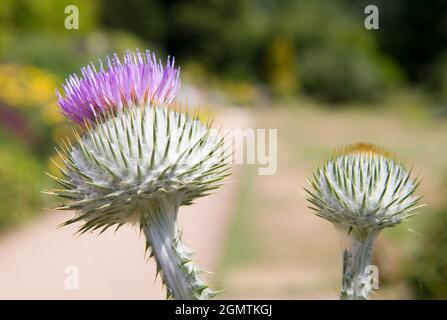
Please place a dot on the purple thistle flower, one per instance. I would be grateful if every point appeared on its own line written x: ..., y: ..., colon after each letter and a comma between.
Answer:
x: 138, y: 80
x: 139, y: 165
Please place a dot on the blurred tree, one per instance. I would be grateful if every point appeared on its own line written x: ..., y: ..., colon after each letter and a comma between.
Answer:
x: 224, y: 36
x: 337, y: 74
x: 437, y: 79
x: 235, y: 39
x: 148, y: 19
x: 33, y: 32
x: 281, y: 70
x: 338, y: 60
x: 263, y: 40
x: 412, y: 32
x: 45, y: 15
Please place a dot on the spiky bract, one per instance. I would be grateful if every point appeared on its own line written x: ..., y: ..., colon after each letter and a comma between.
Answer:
x: 138, y: 166
x: 362, y: 190
x: 137, y: 157
x: 363, y: 186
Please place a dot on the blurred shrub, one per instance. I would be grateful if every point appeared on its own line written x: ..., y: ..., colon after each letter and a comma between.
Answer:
x: 411, y: 32
x: 56, y: 53
x: 339, y: 74
x: 321, y: 43
x: 427, y: 273
x: 20, y: 182
x: 68, y: 53
x: 222, y: 35
x: 276, y: 42
x: 33, y: 32
x: 438, y: 78
x: 45, y: 15
x: 281, y: 67
x: 337, y: 59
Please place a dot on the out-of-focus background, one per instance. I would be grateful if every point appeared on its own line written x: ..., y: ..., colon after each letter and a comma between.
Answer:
x: 309, y: 69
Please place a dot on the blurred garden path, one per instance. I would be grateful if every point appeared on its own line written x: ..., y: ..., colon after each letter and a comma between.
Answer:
x: 36, y: 259
x: 300, y: 258
x: 298, y: 254
x: 284, y: 251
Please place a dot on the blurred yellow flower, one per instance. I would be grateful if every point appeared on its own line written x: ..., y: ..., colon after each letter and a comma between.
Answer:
x: 29, y: 87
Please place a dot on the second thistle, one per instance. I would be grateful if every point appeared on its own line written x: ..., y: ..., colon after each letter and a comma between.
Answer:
x: 362, y: 190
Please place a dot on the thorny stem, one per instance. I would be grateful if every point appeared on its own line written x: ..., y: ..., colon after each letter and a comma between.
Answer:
x: 173, y: 258
x: 357, y: 246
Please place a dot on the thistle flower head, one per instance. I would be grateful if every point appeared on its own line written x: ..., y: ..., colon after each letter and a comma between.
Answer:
x: 138, y: 80
x: 137, y: 161
x: 362, y: 190
x: 363, y: 186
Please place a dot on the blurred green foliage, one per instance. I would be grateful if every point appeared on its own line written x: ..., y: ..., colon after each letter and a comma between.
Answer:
x: 316, y: 47
x: 45, y: 16
x: 68, y: 53
x: 412, y: 32
x: 20, y: 182
x: 427, y: 272
x: 339, y: 74
x: 33, y: 33
x: 437, y: 81
x: 338, y: 59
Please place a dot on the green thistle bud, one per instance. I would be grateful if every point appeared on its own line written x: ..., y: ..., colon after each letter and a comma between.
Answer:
x: 362, y: 190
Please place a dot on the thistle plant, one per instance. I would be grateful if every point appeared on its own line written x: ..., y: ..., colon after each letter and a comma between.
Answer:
x: 137, y: 161
x: 362, y: 190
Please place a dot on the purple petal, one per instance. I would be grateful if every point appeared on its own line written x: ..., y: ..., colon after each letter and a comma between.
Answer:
x: 115, y: 85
